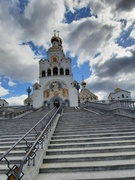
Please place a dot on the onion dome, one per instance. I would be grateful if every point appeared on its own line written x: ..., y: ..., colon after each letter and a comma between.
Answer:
x: 83, y: 84
x: 60, y: 41
x: 117, y: 89
x: 54, y: 38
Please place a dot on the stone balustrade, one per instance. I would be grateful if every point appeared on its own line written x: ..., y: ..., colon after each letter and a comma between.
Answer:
x: 122, y: 104
x: 14, y: 111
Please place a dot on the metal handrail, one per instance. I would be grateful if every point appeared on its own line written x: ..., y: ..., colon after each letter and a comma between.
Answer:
x: 35, y: 143
x: 54, y: 111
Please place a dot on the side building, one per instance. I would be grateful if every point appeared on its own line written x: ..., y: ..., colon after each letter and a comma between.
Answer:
x: 119, y: 94
x: 3, y: 103
x: 55, y: 85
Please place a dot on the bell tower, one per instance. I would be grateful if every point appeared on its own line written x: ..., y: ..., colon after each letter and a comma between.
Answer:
x: 55, y: 78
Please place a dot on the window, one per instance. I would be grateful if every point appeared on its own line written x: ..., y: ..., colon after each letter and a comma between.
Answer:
x: 122, y: 95
x: 55, y: 71
x: 49, y: 72
x: 61, y: 71
x: 67, y: 72
x: 43, y: 73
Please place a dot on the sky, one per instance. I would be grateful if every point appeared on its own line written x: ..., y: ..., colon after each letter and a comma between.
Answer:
x: 98, y: 35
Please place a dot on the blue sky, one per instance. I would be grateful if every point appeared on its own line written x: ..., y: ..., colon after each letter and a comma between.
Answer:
x: 99, y: 37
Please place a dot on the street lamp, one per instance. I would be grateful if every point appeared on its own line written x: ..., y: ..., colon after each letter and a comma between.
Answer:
x: 77, y: 86
x: 28, y: 91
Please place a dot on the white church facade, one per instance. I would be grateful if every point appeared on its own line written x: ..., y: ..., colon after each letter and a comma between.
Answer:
x: 56, y: 85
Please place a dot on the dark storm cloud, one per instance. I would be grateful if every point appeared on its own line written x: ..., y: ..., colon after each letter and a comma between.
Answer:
x: 38, y: 19
x: 108, y: 76
x: 116, y: 66
x: 121, y: 5
x: 101, y: 85
x: 126, y: 5
x: 89, y: 36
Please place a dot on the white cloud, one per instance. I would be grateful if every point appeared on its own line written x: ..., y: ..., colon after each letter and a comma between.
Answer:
x: 3, y: 91
x: 132, y: 34
x: 83, y: 38
x: 16, y: 100
x: 11, y: 83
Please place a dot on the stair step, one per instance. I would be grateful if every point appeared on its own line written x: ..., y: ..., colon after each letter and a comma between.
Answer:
x: 96, y: 175
x: 93, y: 132
x: 90, y: 150
x: 89, y: 157
x: 89, y: 139
x: 90, y: 144
x: 88, y: 166
x: 70, y: 136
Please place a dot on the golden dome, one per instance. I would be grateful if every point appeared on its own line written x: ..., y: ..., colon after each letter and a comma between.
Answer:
x: 54, y: 38
x: 117, y: 89
x: 83, y: 83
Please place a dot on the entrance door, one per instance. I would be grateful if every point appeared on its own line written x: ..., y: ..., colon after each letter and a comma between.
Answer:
x: 56, y: 103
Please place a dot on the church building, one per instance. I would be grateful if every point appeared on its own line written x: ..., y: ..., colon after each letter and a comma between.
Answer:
x: 85, y: 95
x: 56, y: 86
x: 119, y: 94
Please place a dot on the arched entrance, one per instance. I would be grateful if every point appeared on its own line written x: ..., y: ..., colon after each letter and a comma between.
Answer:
x: 56, y: 103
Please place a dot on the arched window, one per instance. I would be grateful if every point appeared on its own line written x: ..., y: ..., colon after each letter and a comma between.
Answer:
x: 55, y: 71
x: 61, y: 71
x: 67, y: 72
x: 122, y: 95
x: 43, y: 73
x: 49, y: 72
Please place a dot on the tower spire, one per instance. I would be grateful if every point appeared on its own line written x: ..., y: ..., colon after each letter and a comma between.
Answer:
x: 82, y: 78
x: 83, y: 84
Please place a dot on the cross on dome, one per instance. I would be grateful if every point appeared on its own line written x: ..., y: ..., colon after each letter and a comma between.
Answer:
x: 54, y: 32
x: 58, y: 33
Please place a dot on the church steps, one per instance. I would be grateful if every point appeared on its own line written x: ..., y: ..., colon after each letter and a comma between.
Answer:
x: 87, y: 139
x: 87, y: 166
x: 81, y: 150
x: 89, y: 157
x: 13, y: 142
x: 10, y: 132
x: 93, y: 122
x: 94, y: 127
x: 16, y: 135
x: 89, y: 146
x: 89, y: 128
x: 14, y: 153
x: 92, y: 144
x: 103, y: 175
x: 14, y: 139
x: 94, y: 131
x: 56, y: 137
x: 5, y: 148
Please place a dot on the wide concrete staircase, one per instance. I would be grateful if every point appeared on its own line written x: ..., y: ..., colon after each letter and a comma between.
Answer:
x: 90, y: 146
x: 11, y: 130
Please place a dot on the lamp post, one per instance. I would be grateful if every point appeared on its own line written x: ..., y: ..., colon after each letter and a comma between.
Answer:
x: 77, y: 86
x: 28, y: 91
